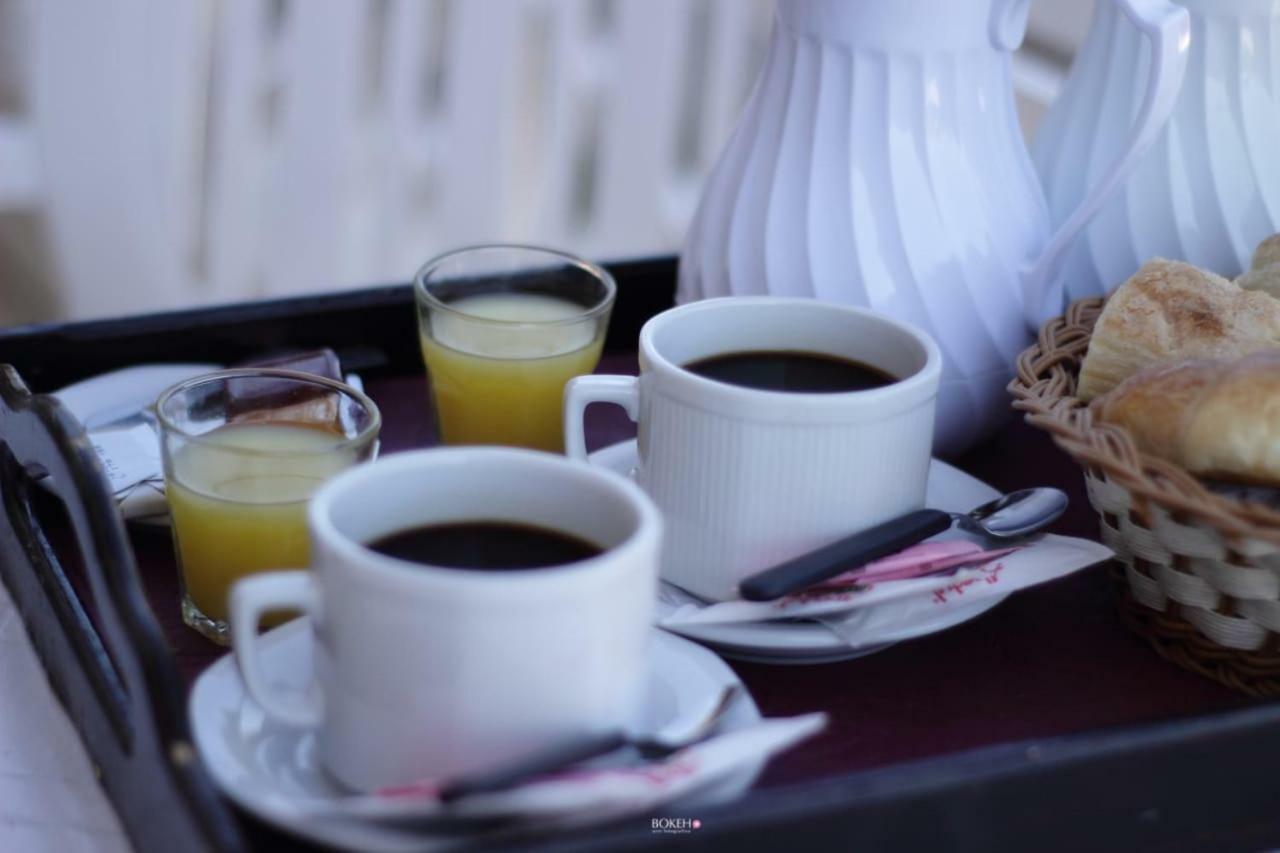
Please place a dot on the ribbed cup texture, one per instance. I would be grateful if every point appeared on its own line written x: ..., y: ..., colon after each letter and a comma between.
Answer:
x: 739, y: 496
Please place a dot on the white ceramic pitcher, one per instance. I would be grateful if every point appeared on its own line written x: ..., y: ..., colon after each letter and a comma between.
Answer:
x: 879, y: 162
x: 1208, y: 190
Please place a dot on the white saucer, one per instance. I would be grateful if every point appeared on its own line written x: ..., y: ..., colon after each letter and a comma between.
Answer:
x: 267, y: 767
x: 804, y: 642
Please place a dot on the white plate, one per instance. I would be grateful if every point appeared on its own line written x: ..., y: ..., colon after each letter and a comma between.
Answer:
x: 810, y: 642
x: 266, y: 767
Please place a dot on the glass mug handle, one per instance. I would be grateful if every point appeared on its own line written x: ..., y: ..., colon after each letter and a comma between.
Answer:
x: 582, y: 391
x: 250, y: 598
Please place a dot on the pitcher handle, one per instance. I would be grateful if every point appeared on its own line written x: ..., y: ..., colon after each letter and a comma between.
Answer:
x: 1168, y: 29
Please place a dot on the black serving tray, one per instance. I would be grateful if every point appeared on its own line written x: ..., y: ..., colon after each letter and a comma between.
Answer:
x: 1200, y: 782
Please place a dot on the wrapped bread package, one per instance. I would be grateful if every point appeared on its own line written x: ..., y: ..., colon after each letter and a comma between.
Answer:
x: 1217, y: 418
x: 1171, y: 311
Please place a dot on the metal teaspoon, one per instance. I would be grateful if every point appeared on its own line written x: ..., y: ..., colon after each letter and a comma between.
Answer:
x: 1010, y: 516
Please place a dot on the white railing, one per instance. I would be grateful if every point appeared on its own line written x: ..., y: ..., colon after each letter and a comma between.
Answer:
x: 188, y: 151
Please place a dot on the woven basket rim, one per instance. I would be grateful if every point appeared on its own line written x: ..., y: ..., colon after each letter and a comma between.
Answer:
x: 1044, y: 389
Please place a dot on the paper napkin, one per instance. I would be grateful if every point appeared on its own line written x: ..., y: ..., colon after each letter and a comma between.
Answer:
x: 591, y: 793
x: 1038, y: 561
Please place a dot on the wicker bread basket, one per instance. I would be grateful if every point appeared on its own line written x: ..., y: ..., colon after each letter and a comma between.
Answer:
x: 1198, y: 573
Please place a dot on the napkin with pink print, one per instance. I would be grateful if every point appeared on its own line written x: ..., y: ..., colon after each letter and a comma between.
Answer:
x: 934, y: 574
x: 587, y: 794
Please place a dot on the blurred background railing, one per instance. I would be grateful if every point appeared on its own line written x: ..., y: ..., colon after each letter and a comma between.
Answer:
x: 163, y: 153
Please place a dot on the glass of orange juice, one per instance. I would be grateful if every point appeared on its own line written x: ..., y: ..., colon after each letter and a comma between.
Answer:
x: 503, y: 328
x: 243, y: 451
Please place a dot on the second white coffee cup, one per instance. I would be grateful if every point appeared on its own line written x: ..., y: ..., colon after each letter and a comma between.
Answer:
x: 747, y: 478
x: 427, y: 672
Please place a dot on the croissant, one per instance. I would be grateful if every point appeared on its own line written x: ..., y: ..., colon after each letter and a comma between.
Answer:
x: 1267, y: 253
x: 1265, y: 280
x: 1264, y: 274
x: 1168, y: 311
x: 1217, y: 418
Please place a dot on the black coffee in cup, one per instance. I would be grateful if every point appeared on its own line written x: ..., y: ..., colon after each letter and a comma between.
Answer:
x: 485, y: 546
x: 791, y: 370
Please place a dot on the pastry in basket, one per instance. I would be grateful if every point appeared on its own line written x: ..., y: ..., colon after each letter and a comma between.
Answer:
x: 1170, y: 311
x: 1267, y: 253
x: 1217, y: 418
x: 1264, y: 273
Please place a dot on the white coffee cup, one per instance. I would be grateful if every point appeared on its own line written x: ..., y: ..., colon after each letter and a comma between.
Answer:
x: 424, y: 672
x: 747, y: 478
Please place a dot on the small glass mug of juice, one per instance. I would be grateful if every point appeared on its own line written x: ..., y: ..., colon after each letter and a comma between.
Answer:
x: 503, y: 328
x: 243, y: 452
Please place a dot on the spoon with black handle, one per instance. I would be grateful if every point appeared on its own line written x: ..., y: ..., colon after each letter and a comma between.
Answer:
x: 1010, y: 516
x: 657, y: 745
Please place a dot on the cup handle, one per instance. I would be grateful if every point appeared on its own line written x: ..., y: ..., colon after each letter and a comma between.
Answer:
x: 582, y: 391
x: 250, y: 598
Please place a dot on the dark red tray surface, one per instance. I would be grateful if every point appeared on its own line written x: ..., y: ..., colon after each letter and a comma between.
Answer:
x: 1053, y: 660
